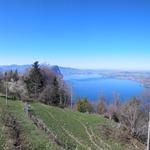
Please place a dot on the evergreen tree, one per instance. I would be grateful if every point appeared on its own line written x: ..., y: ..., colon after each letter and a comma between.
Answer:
x: 55, y: 94
x: 35, y: 81
x: 1, y: 83
x: 15, y: 75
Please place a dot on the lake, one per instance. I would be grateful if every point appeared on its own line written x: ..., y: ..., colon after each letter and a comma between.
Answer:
x: 93, y: 87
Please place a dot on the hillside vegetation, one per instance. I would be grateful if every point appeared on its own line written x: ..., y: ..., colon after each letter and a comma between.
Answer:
x: 47, y: 127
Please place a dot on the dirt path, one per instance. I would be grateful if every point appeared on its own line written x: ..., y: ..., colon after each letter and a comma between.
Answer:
x: 90, y: 137
x: 69, y: 134
x: 74, y: 138
x: 106, y: 146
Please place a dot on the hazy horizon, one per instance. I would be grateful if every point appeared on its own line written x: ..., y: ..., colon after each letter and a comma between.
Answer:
x: 70, y: 67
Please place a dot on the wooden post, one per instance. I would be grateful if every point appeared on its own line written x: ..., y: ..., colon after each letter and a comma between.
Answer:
x: 148, y: 137
x: 71, y: 97
x: 6, y: 93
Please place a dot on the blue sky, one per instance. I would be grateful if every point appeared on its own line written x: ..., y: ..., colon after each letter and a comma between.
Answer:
x: 104, y: 34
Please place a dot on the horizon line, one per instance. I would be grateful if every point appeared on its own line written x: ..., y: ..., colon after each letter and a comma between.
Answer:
x: 106, y: 69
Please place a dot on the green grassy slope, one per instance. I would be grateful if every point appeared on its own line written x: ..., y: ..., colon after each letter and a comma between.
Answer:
x: 75, y: 130
x: 31, y: 137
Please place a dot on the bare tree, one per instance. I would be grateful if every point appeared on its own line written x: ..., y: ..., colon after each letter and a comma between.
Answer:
x: 113, y: 108
x: 132, y: 116
x: 101, y: 106
x: 116, y: 101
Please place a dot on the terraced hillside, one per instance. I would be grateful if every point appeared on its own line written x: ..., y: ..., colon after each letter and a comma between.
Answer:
x: 47, y: 127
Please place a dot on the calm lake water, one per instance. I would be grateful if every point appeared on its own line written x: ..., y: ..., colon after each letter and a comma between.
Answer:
x: 94, y: 86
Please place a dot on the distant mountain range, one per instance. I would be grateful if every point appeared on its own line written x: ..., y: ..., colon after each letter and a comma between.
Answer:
x: 24, y: 68
x: 143, y: 77
x: 66, y: 71
x: 20, y: 68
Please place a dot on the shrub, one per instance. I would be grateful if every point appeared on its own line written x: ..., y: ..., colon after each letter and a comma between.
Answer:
x: 84, y: 106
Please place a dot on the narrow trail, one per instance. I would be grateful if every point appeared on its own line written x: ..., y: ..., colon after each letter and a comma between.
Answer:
x: 89, y: 133
x: 73, y: 137
x: 106, y: 146
x: 68, y: 133
x: 90, y: 136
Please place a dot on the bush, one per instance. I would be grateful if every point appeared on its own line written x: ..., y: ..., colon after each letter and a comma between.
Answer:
x: 84, y: 106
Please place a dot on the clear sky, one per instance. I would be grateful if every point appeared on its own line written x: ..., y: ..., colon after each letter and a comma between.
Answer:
x: 104, y: 34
